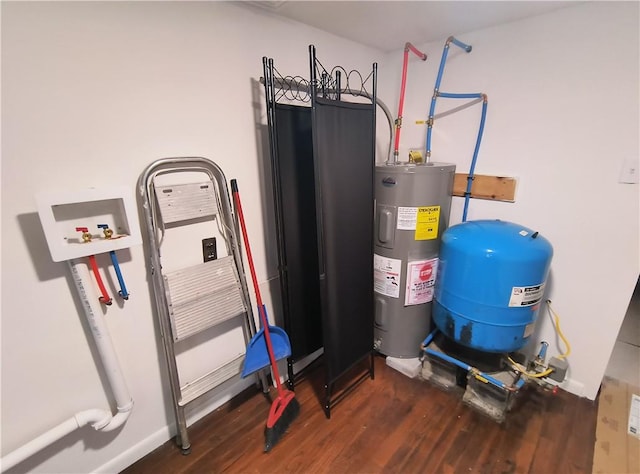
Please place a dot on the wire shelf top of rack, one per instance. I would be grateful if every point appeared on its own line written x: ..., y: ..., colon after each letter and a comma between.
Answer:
x: 291, y: 88
x: 337, y: 81
x: 328, y: 83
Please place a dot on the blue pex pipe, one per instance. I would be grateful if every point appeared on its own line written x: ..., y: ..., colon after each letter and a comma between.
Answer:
x: 451, y: 95
x: 464, y: 366
x: 432, y: 108
x: 123, y: 289
x: 472, y: 168
x: 429, y: 338
x: 460, y: 44
x: 468, y: 368
x: 441, y: 355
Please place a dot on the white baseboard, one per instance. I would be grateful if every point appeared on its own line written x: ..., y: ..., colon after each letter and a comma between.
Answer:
x: 197, y: 410
x: 575, y: 387
x: 136, y: 452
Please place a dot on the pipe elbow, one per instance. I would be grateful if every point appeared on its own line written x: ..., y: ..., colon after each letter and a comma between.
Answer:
x: 409, y: 47
x: 116, y: 421
x: 485, y: 98
x: 102, y: 420
x: 120, y: 418
x: 95, y: 417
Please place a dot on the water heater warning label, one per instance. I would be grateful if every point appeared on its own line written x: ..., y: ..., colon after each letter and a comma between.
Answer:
x: 526, y: 295
x: 407, y: 218
x: 386, y: 275
x: 424, y: 220
x: 421, y: 276
x: 427, y: 223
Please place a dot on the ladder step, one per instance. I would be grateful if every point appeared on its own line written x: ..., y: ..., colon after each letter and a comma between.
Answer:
x: 202, y: 296
x: 183, y: 202
x: 202, y: 385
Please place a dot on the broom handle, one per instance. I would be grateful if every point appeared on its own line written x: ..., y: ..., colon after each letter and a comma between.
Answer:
x: 263, y: 316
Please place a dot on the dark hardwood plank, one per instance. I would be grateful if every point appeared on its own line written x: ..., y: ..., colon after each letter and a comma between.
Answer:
x: 392, y: 424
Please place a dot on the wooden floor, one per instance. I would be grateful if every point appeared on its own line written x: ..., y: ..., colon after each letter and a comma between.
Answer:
x: 390, y: 424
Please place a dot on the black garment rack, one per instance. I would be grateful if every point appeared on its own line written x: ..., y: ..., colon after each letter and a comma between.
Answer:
x: 322, y: 147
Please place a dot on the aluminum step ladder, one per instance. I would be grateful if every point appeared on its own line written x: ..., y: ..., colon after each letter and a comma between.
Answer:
x: 195, y: 298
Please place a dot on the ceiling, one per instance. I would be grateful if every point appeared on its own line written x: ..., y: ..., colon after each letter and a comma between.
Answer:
x: 388, y: 25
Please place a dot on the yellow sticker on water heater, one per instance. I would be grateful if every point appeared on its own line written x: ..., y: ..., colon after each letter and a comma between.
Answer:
x: 427, y: 223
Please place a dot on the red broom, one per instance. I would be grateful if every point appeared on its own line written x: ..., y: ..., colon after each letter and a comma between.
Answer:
x: 285, y: 408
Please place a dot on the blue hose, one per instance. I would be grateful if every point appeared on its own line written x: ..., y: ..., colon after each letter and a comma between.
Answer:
x: 452, y: 95
x: 429, y: 338
x: 432, y: 109
x: 472, y: 168
x: 123, y: 289
x: 460, y: 44
x: 463, y: 365
x: 490, y: 379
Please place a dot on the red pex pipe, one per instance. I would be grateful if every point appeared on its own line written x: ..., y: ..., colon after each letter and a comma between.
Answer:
x: 105, y: 298
x: 407, y: 47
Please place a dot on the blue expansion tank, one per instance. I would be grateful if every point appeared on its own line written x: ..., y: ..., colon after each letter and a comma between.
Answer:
x: 490, y: 282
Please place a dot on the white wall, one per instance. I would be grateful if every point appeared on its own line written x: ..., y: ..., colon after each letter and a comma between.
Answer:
x: 93, y: 93
x: 562, y: 115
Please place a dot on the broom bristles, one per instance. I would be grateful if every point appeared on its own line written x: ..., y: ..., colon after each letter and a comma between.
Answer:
x: 283, y: 412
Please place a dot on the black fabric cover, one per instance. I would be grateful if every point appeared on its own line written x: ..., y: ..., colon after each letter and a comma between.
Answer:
x: 345, y: 162
x: 299, y: 280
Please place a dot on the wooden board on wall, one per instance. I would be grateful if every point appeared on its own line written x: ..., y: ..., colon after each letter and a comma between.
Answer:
x: 495, y: 188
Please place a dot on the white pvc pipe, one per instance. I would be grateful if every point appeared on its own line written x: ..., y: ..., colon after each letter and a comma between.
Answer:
x: 101, y: 420
x: 93, y: 312
x: 39, y: 443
